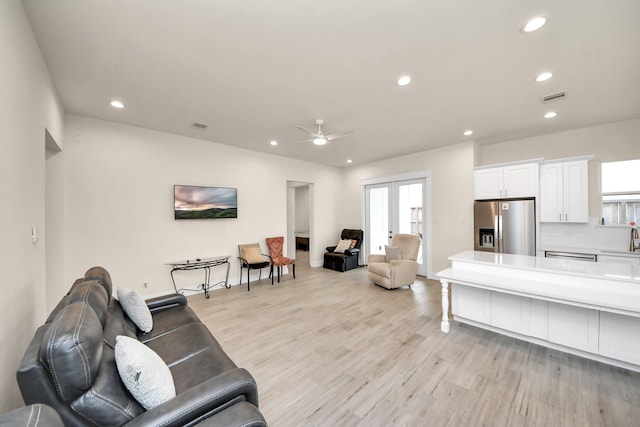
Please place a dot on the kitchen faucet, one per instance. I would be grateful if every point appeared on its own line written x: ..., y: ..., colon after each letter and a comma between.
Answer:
x: 634, y: 237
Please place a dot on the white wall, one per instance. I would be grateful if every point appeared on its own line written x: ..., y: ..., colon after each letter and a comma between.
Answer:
x: 302, y: 208
x: 28, y: 105
x: 609, y: 142
x: 118, y: 202
x: 451, y: 196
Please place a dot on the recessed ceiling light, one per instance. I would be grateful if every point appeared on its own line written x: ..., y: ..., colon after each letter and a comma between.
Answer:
x: 550, y: 115
x: 544, y: 76
x: 404, y: 80
x: 349, y: 161
x: 468, y: 132
x: 534, y: 24
x: 274, y: 142
x: 320, y: 141
x: 117, y: 104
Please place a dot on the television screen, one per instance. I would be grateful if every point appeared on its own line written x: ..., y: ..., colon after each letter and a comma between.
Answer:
x: 193, y: 202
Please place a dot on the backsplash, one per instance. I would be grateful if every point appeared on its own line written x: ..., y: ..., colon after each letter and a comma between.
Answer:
x: 583, y: 236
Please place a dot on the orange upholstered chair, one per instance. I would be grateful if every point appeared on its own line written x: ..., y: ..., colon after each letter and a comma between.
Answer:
x: 275, y: 251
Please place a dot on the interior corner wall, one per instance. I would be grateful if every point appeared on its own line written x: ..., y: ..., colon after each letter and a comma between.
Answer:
x: 119, y: 203
x: 451, y: 196
x: 607, y: 142
x: 28, y: 106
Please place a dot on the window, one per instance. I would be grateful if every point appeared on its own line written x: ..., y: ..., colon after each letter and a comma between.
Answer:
x: 621, y: 192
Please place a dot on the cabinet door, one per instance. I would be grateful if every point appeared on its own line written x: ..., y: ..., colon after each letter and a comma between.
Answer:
x: 520, y: 180
x: 487, y: 183
x: 551, y: 193
x: 616, y: 341
x: 510, y: 312
x: 471, y: 303
x: 574, y: 327
x: 576, y: 191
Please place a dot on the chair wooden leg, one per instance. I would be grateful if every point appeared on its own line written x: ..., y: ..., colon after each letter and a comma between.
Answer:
x: 294, y: 270
x: 271, y: 273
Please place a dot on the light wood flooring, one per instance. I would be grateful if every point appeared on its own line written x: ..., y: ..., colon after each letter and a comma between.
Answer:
x: 332, y: 349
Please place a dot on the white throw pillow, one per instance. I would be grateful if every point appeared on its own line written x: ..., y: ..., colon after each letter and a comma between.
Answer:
x: 136, y: 308
x: 343, y: 246
x: 143, y: 372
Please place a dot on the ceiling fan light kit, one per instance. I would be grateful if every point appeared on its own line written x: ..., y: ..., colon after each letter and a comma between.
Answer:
x: 319, y: 138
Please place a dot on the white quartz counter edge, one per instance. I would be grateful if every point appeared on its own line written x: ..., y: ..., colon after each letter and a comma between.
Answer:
x: 594, y: 270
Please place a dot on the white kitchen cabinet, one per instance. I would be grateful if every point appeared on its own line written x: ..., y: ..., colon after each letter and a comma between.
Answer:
x: 564, y: 191
x: 574, y: 327
x: 511, y: 312
x: 506, y: 181
x: 615, y: 340
x: 471, y: 303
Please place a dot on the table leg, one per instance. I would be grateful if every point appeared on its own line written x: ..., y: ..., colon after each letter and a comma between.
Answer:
x: 444, y: 325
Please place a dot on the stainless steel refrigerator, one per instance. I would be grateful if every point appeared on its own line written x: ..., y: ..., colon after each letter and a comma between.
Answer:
x: 505, y: 226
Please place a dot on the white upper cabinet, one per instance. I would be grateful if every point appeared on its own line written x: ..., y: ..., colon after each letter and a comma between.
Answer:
x: 564, y: 191
x: 506, y: 181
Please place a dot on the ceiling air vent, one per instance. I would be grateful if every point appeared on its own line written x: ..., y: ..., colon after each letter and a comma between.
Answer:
x: 199, y: 125
x: 554, y: 97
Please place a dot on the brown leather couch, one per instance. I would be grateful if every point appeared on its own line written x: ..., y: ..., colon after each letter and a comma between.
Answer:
x: 70, y: 364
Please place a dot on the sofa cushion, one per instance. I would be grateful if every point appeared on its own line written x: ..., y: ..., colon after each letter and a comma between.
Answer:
x: 143, y: 372
x: 72, y: 349
x: 192, y: 354
x: 382, y: 269
x: 102, y: 276
x: 135, y: 307
x: 93, y: 294
x: 168, y: 321
x: 107, y: 402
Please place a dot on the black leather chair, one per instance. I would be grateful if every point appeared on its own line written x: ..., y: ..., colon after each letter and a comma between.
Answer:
x: 348, y: 260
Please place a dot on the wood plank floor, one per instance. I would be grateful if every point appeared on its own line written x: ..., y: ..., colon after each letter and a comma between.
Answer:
x: 332, y: 349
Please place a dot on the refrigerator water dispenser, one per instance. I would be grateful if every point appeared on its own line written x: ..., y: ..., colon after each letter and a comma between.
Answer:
x: 486, y: 237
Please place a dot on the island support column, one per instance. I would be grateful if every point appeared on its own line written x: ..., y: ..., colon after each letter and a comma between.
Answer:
x: 444, y: 325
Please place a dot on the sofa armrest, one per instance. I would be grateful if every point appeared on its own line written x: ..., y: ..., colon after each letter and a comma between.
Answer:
x: 377, y: 258
x: 202, y: 401
x: 354, y: 251
x: 165, y: 302
x: 331, y: 248
x: 242, y: 414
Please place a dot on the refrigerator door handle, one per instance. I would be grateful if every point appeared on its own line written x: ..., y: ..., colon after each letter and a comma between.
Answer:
x: 500, y: 237
x: 498, y: 233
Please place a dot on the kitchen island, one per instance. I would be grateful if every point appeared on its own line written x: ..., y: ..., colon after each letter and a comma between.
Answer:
x: 584, y: 308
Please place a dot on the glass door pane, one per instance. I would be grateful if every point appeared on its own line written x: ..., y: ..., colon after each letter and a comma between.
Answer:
x: 409, y: 212
x: 377, y: 218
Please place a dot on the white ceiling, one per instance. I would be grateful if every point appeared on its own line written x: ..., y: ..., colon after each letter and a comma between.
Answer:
x: 253, y: 70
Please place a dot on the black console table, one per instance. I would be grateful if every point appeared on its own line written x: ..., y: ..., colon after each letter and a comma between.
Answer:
x: 201, y: 264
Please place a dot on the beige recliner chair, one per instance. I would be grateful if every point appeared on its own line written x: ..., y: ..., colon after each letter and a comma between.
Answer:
x: 399, y: 266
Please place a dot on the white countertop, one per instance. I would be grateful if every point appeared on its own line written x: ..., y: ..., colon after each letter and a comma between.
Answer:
x: 600, y: 270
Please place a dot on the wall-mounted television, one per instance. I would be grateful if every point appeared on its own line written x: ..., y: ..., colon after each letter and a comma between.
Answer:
x: 195, y: 202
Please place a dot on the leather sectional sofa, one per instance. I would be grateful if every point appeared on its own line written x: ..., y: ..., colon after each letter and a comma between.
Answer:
x: 70, y: 364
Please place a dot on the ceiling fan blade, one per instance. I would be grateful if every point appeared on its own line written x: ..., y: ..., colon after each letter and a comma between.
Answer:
x: 306, y: 140
x: 306, y: 130
x: 338, y: 135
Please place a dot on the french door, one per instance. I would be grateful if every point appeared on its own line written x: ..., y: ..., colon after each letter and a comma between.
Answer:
x: 391, y: 208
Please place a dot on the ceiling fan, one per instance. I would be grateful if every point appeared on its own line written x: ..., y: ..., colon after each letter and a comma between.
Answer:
x: 320, y: 138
